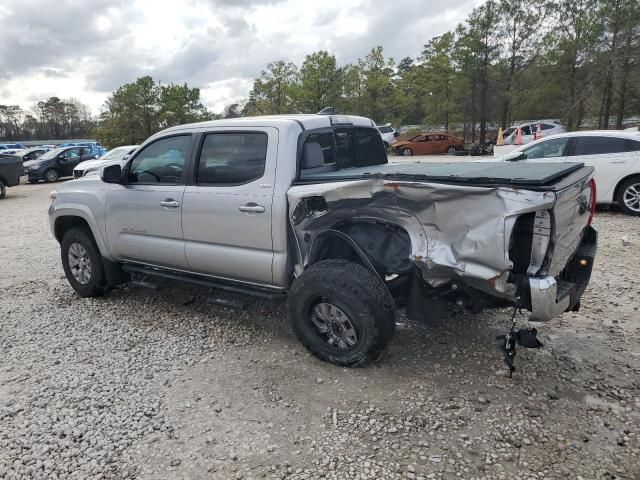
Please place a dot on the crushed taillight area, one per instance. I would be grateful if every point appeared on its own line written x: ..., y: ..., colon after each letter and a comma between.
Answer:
x: 592, y: 212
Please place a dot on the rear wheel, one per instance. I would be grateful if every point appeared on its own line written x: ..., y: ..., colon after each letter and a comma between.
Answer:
x: 342, y: 313
x: 82, y: 263
x: 451, y: 150
x: 629, y: 196
x: 51, y: 175
x: 407, y: 152
x: 3, y: 190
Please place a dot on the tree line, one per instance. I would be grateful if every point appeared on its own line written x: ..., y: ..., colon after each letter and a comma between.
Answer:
x: 54, y: 118
x: 574, y: 60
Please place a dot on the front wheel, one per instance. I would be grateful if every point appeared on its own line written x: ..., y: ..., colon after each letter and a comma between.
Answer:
x: 3, y: 190
x: 342, y: 313
x: 51, y: 175
x: 82, y: 263
x: 407, y: 152
x: 629, y: 196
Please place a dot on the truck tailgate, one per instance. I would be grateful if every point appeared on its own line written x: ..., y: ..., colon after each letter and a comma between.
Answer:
x: 570, y: 215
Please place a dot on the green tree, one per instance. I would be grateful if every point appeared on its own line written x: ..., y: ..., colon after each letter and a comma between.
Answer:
x: 180, y: 104
x: 520, y: 25
x: 482, y: 40
x: 377, y: 72
x: 353, y: 87
x: 274, y: 91
x: 137, y: 110
x: 573, y: 42
x: 439, y: 76
x: 320, y: 82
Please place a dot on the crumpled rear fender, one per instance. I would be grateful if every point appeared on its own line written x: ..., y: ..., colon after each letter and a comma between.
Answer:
x: 455, y: 231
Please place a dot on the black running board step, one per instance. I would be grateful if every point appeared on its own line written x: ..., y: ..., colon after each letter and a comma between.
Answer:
x: 145, y: 284
x: 228, y: 299
x: 205, y: 282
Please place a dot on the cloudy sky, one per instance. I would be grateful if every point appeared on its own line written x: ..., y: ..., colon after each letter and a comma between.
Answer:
x: 87, y: 48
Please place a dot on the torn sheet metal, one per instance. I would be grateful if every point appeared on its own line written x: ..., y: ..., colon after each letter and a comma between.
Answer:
x: 456, y: 231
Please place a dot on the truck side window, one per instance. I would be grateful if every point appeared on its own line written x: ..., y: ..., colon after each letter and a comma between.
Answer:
x: 161, y: 162
x: 232, y: 158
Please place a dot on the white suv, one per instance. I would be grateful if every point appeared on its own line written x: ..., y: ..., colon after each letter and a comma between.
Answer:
x: 388, y: 134
x: 614, y: 154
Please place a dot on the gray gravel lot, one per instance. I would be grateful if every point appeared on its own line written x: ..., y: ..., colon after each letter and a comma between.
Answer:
x: 146, y: 384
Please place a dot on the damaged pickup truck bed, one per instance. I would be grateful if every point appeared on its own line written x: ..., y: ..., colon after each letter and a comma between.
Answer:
x: 308, y: 208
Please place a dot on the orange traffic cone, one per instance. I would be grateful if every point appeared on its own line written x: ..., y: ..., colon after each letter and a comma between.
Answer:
x: 500, y: 140
x: 538, y: 134
x: 519, y: 137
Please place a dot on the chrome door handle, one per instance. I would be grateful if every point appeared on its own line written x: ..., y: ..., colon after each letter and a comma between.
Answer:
x: 251, y: 207
x: 169, y: 203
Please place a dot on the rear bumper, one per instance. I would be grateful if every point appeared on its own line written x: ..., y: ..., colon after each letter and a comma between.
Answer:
x: 551, y: 296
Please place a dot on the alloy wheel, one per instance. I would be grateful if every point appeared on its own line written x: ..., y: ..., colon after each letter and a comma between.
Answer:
x: 52, y: 176
x: 631, y: 197
x: 334, y: 326
x: 79, y: 263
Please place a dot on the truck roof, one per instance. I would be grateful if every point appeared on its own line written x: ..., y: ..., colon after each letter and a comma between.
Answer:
x: 306, y: 122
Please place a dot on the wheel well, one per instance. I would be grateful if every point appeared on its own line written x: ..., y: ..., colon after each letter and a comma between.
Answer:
x: 617, y: 189
x: 64, y: 224
x: 334, y: 247
x: 381, y: 246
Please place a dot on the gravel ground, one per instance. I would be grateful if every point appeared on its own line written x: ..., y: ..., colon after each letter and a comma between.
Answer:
x: 158, y: 384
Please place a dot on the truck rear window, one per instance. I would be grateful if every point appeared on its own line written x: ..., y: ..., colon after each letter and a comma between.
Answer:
x: 359, y: 147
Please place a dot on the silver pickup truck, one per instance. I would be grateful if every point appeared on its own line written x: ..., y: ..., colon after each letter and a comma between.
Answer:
x: 307, y: 208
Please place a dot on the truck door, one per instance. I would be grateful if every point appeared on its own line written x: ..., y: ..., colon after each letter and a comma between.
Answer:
x: 227, y: 208
x: 144, y: 215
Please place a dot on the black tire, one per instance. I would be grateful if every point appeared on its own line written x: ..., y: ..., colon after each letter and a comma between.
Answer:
x: 95, y: 286
x: 626, y: 189
x: 51, y: 175
x: 3, y: 190
x: 357, y: 293
x: 406, y: 152
x: 451, y: 150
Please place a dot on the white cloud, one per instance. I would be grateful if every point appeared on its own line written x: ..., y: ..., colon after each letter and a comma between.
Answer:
x: 87, y: 49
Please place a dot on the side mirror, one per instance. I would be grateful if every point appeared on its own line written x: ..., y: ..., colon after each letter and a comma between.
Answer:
x: 514, y: 157
x: 112, y: 174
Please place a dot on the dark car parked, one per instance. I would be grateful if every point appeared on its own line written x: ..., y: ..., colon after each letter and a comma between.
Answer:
x: 31, y: 153
x: 57, y: 163
x: 10, y: 170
